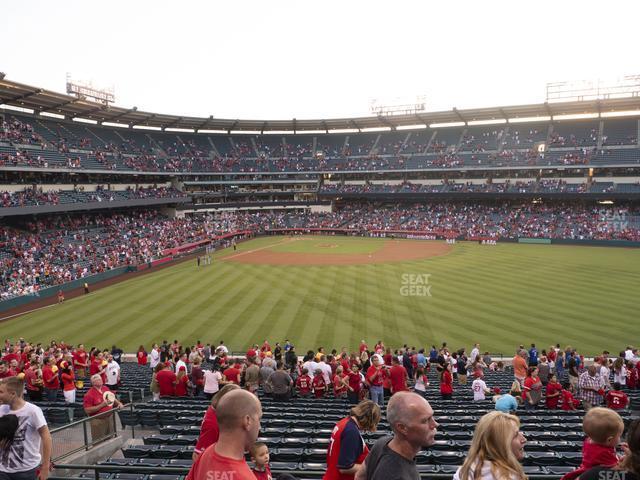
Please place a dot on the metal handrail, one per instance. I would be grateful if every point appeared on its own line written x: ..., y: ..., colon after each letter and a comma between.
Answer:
x: 86, y: 419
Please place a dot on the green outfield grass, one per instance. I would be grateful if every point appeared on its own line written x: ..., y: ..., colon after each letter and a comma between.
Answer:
x: 500, y: 296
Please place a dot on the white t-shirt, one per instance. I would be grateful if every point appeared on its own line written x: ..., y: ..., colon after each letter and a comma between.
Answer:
x: 112, y: 371
x: 211, y: 381
x: 24, y: 452
x: 620, y: 376
x: 312, y: 366
x: 179, y: 364
x: 474, y: 353
x: 479, y: 388
x: 326, y: 372
x: 155, y: 358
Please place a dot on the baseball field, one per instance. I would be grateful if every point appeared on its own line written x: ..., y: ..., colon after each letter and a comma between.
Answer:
x: 334, y: 291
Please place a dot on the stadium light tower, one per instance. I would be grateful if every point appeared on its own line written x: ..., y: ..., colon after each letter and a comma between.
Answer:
x: 581, y: 90
x: 87, y: 90
x: 398, y: 105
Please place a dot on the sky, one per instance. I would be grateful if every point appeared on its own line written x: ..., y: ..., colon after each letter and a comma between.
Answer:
x: 316, y: 59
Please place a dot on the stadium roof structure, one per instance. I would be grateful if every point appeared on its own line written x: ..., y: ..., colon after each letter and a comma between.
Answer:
x: 43, y: 101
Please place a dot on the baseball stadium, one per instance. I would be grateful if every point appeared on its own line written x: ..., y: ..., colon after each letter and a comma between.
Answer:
x: 152, y: 264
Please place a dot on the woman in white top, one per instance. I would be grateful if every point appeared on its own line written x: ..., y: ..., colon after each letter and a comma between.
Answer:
x: 212, y: 380
x: 619, y: 372
x: 496, y: 450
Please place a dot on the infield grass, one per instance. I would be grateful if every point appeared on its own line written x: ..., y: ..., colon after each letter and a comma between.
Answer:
x: 500, y: 296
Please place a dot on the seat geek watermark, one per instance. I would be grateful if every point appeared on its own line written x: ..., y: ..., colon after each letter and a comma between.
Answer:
x: 415, y: 285
x: 612, y: 475
x: 612, y: 220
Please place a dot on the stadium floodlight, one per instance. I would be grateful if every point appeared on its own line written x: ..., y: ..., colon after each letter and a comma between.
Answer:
x: 494, y: 121
x: 278, y: 132
x: 52, y: 115
x: 622, y: 113
x: 211, y: 131
x: 114, y: 124
x: 447, y: 124
x: 310, y: 132
x: 184, y: 130
x: 376, y: 129
x: 343, y: 130
x: 529, y: 119
x: 84, y: 120
x: 575, y: 116
x: 146, y: 127
x: 412, y: 127
x: 15, y: 109
x: 244, y: 132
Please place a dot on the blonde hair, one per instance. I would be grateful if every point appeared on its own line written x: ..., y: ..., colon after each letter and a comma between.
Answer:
x: 599, y: 424
x: 367, y: 414
x: 492, y: 442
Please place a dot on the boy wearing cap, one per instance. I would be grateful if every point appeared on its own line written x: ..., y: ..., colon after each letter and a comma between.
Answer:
x: 479, y: 387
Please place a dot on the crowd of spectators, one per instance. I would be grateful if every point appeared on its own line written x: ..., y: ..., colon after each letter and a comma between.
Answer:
x: 59, y: 249
x: 369, y: 377
x: 446, y: 186
x: 34, y: 196
x: 29, y: 196
x: 246, y: 156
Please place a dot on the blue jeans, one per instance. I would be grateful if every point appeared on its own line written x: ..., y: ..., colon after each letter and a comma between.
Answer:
x: 50, y: 394
x: 26, y: 475
x: 377, y: 394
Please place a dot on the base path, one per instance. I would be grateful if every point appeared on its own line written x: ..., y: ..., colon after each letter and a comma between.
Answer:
x: 392, y: 251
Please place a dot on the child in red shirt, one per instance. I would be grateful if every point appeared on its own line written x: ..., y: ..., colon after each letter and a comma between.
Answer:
x: 304, y: 383
x: 355, y: 381
x: 319, y: 385
x: 340, y: 383
x: 553, y: 393
x: 182, y: 382
x: 260, y: 457
x: 568, y: 401
x: 616, y: 399
x: 603, y: 428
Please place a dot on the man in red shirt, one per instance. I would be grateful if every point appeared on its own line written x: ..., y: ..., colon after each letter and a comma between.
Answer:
x: 375, y: 376
x: 209, y: 429
x: 166, y: 382
x: 239, y: 413
x: 80, y: 362
x: 50, y: 379
x: 398, y: 376
x: 232, y: 374
x: 95, y: 405
x: 616, y: 399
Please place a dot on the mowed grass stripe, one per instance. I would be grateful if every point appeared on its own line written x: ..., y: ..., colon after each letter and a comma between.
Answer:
x: 501, y: 295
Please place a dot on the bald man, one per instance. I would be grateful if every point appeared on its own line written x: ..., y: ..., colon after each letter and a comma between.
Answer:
x: 239, y: 413
x: 411, y: 419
